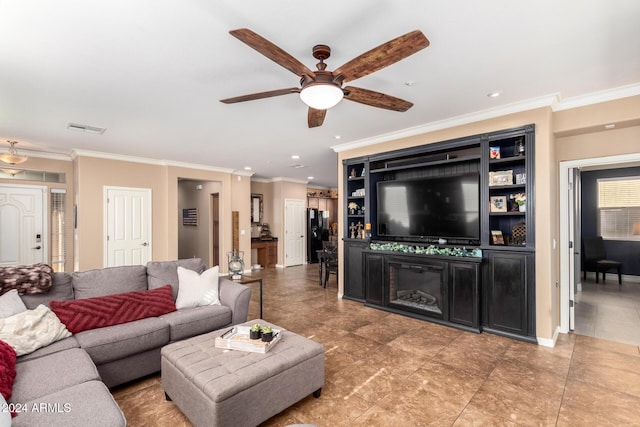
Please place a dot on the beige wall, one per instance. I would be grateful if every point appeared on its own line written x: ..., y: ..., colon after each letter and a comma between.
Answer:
x: 275, y: 194
x: 58, y: 166
x: 94, y: 173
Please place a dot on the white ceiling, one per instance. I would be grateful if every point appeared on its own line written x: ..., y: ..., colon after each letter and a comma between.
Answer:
x: 152, y: 72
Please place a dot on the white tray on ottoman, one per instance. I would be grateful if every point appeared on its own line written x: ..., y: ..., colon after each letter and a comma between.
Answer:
x: 219, y: 387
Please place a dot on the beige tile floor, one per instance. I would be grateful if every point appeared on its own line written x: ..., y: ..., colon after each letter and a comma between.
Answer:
x: 415, y: 373
x: 608, y: 310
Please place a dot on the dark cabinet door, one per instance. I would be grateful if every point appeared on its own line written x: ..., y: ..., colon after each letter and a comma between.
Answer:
x: 374, y: 278
x: 353, y: 271
x: 463, y: 294
x: 509, y: 297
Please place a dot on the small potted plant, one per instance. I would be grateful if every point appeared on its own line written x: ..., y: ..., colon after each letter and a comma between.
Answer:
x: 353, y: 207
x: 521, y: 200
x: 255, y: 332
x: 267, y: 333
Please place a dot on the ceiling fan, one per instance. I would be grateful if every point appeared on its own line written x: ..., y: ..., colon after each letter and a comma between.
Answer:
x: 323, y: 89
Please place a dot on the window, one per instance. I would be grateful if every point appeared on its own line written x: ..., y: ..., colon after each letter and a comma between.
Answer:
x: 58, y: 237
x: 619, y: 208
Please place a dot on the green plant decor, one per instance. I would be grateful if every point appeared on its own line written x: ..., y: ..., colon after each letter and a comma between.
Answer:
x: 428, y: 250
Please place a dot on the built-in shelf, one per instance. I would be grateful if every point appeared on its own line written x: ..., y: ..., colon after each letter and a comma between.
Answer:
x: 431, y: 163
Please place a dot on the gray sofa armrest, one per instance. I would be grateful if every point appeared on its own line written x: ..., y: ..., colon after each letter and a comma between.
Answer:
x: 235, y: 296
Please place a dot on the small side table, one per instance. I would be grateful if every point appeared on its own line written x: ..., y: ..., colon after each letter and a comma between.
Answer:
x: 246, y: 279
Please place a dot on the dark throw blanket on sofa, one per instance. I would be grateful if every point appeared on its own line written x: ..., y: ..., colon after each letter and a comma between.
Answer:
x: 90, y: 313
x: 27, y: 279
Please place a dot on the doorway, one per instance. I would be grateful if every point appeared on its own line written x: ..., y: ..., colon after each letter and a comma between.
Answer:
x: 23, y: 229
x: 569, y: 271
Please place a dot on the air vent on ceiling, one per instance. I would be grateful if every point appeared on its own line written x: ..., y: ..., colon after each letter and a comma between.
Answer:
x: 296, y: 166
x: 86, y: 128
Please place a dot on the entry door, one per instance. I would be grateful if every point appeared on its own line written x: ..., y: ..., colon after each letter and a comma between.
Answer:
x: 294, y: 229
x: 23, y: 230
x: 575, y: 215
x: 128, y: 226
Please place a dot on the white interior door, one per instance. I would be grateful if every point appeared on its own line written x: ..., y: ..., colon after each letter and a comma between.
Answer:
x: 128, y: 226
x: 23, y: 230
x: 294, y: 230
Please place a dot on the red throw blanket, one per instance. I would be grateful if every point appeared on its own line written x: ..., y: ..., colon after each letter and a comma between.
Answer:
x: 90, y: 313
x: 7, y: 370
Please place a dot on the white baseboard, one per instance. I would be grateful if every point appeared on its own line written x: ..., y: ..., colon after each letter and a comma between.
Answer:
x: 549, y: 342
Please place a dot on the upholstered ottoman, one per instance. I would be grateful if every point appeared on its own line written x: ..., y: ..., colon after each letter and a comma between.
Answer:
x: 217, y: 387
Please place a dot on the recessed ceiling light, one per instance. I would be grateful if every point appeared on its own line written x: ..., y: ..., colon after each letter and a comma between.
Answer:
x: 247, y: 168
x: 295, y: 156
x: 337, y: 137
x: 309, y: 177
x: 610, y: 126
x: 494, y: 94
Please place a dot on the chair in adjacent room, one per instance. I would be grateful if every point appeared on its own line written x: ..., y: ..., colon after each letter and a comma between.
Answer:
x: 330, y: 260
x: 595, y: 259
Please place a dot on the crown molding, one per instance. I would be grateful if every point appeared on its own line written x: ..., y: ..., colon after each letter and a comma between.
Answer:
x: 46, y: 155
x: 553, y: 101
x: 279, y: 179
x: 597, y: 97
x: 124, y: 158
x: 517, y: 107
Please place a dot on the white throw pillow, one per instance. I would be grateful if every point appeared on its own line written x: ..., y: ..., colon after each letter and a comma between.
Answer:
x: 196, y: 289
x: 28, y: 331
x: 11, y: 303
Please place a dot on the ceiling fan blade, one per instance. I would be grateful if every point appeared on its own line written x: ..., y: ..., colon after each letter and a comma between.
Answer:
x: 382, y: 56
x: 315, y: 117
x: 271, y: 51
x: 260, y: 95
x: 376, y: 99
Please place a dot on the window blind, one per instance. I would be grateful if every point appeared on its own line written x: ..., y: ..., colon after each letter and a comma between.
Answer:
x: 619, y: 207
x: 58, y: 236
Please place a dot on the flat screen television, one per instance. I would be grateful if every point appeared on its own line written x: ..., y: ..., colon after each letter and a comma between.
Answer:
x: 430, y: 208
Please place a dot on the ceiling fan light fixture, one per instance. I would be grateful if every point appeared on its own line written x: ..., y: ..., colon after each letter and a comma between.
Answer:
x: 12, y: 157
x: 321, y: 96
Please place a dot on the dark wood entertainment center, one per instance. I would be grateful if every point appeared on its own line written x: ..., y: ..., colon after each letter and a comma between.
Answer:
x: 493, y: 293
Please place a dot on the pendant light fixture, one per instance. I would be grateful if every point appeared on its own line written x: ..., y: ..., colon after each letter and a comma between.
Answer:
x: 12, y: 157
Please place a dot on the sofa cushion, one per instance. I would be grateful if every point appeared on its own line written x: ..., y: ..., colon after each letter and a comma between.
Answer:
x: 27, y: 279
x: 63, y: 344
x: 160, y: 273
x: 109, y: 281
x: 87, y: 404
x: 90, y: 313
x: 32, y: 329
x: 61, y: 290
x: 10, y: 304
x: 46, y: 375
x: 116, y: 342
x: 7, y: 370
x: 189, y: 322
x: 196, y: 289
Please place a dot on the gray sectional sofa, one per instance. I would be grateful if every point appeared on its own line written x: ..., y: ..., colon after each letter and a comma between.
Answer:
x: 70, y: 379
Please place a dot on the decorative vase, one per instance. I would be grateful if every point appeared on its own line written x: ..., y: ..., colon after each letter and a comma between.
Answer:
x: 267, y: 336
x: 522, y: 208
x: 352, y: 211
x: 255, y: 335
